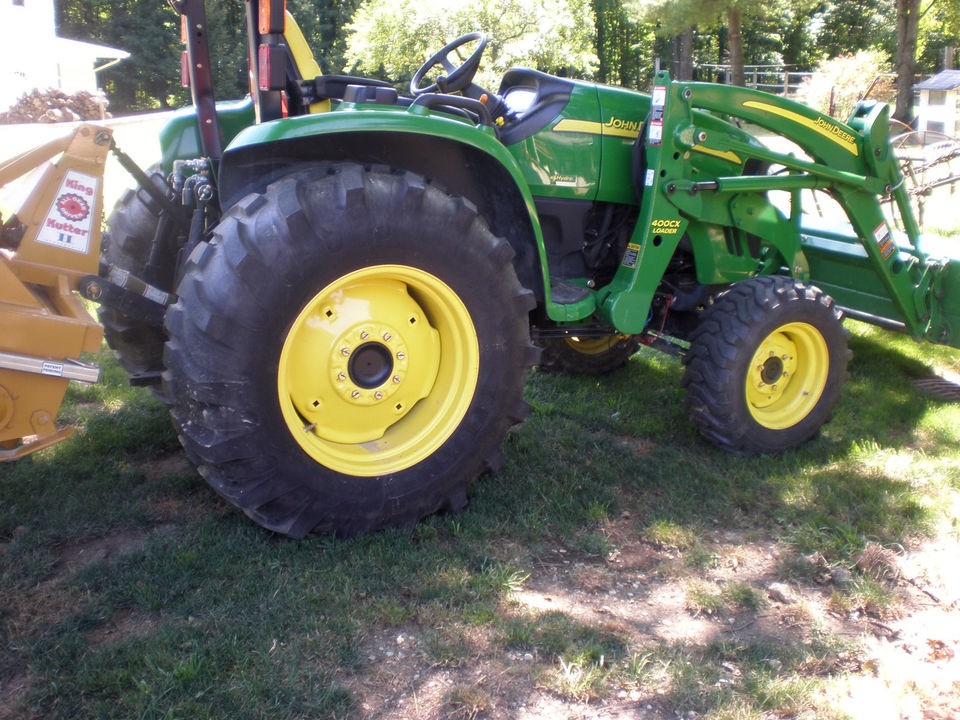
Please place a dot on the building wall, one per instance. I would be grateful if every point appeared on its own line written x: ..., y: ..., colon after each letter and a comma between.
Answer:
x: 27, y: 55
x: 940, y: 111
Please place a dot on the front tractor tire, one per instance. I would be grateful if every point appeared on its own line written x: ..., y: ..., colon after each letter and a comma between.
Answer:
x: 348, y: 351
x: 766, y: 365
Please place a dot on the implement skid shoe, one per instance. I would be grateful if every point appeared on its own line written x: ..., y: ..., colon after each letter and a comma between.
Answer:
x: 47, y: 247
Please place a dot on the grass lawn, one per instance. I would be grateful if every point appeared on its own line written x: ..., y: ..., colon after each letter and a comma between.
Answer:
x: 617, y: 566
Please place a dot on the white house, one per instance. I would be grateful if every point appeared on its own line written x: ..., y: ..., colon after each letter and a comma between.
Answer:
x: 939, y: 106
x: 33, y: 56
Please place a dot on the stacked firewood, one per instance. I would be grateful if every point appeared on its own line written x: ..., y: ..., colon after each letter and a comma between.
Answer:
x: 51, y: 106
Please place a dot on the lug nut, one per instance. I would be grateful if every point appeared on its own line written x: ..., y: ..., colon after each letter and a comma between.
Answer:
x: 355, y: 394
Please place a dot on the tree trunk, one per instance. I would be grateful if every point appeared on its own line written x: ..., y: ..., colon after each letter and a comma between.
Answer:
x: 683, y: 58
x: 735, y: 42
x: 908, y: 19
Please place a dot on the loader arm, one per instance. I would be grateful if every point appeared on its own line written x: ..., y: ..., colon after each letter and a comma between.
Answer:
x: 871, y: 273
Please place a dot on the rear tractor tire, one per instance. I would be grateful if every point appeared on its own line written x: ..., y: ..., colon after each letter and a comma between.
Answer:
x: 131, y: 231
x: 348, y: 351
x: 766, y: 365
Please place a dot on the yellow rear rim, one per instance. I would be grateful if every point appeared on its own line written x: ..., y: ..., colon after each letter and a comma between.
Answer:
x: 787, y: 375
x: 378, y: 370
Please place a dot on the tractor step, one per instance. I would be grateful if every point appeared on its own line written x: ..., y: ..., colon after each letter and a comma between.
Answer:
x: 563, y: 292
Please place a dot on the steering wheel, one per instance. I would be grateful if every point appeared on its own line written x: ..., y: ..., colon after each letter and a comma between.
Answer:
x: 458, y: 77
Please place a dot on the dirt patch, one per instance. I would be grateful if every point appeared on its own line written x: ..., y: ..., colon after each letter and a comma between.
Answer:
x: 173, y: 465
x: 12, y: 692
x: 48, y: 602
x: 896, y: 667
x: 74, y: 557
x: 28, y: 610
x: 123, y: 625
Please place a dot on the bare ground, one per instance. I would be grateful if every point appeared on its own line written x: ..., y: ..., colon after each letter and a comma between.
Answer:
x: 903, y: 667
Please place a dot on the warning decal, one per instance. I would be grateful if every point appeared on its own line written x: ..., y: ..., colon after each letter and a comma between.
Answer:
x: 631, y: 255
x: 70, y: 219
x: 884, y: 240
x: 657, y: 102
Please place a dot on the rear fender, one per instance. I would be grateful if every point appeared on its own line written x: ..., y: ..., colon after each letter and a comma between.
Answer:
x: 180, y: 135
x: 465, y: 160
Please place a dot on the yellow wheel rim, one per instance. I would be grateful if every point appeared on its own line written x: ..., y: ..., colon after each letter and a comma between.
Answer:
x: 594, y: 346
x: 787, y: 375
x: 378, y: 370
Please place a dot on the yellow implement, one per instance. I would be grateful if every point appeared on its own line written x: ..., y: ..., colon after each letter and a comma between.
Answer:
x: 46, y: 248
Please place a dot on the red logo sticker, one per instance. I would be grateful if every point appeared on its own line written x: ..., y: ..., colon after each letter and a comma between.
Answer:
x: 73, y: 207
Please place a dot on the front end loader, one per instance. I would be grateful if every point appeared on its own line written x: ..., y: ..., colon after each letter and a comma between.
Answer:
x: 338, y: 287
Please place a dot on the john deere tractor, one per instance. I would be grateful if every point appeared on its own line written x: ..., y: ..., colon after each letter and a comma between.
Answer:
x: 338, y: 288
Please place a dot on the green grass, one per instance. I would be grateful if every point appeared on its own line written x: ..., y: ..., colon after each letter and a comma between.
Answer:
x: 128, y: 589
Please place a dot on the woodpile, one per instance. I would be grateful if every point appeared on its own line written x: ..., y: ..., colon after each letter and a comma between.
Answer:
x: 52, y: 106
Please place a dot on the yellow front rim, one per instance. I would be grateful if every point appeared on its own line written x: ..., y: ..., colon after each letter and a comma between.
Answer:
x: 378, y: 370
x: 594, y: 346
x: 787, y: 375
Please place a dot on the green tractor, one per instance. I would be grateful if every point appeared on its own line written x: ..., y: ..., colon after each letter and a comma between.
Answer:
x: 341, y: 288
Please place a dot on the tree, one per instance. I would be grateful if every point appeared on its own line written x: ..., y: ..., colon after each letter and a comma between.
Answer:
x: 795, y: 21
x: 735, y: 40
x: 392, y: 38
x: 908, y: 23
x: 149, y: 31
x: 848, y: 26
x: 324, y: 26
x: 909, y: 15
x: 680, y: 18
x: 838, y: 83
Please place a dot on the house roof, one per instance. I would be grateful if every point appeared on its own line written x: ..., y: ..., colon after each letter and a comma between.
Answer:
x: 945, y: 80
x: 89, y: 51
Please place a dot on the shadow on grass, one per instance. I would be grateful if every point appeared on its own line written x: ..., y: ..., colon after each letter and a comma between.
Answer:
x: 217, y: 618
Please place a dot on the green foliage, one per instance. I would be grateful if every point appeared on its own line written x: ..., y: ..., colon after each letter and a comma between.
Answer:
x: 849, y: 26
x: 837, y: 84
x: 623, y: 45
x: 323, y: 24
x: 392, y: 39
x: 612, y: 41
x: 149, y: 31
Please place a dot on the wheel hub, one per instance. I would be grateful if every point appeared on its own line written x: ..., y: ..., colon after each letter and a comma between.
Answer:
x: 772, y: 370
x: 370, y: 365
